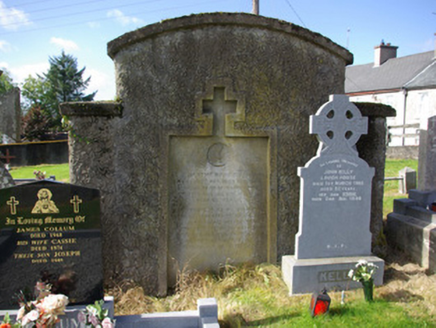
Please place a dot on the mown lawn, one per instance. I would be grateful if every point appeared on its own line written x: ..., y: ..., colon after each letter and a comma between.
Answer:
x: 60, y: 171
x: 392, y: 167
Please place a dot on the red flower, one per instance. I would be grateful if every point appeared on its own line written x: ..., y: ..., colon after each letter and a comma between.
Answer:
x: 5, y: 325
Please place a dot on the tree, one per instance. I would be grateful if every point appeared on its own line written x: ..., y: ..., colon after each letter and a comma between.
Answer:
x: 63, y: 82
x: 6, y: 83
x: 66, y: 79
x: 36, y: 92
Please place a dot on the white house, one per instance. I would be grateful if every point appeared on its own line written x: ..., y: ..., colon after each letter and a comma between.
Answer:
x: 408, y: 84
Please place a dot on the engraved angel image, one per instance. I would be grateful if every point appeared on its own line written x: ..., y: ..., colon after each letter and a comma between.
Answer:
x: 44, y: 204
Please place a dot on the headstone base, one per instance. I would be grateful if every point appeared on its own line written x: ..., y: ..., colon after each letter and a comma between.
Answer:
x: 415, y: 237
x: 312, y: 275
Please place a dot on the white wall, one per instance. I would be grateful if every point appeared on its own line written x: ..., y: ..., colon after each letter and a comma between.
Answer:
x: 420, y: 105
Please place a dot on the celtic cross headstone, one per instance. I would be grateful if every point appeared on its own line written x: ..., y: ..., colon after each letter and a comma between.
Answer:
x: 335, y: 202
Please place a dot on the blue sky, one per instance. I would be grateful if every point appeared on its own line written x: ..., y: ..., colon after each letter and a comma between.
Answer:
x: 33, y: 30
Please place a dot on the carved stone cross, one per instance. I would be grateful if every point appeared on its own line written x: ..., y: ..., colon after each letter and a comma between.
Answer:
x: 219, y: 107
x: 339, y: 125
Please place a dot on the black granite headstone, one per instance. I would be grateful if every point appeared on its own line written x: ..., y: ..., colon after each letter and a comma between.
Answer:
x: 50, y: 232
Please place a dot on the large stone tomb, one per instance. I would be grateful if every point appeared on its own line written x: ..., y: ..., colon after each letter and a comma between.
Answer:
x: 50, y: 232
x: 335, y: 204
x: 202, y: 150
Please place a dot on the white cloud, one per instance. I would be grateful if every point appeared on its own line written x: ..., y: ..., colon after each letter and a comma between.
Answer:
x: 93, y: 24
x: 20, y: 73
x: 123, y: 19
x: 5, y: 46
x: 11, y: 18
x: 66, y: 45
x: 102, y: 82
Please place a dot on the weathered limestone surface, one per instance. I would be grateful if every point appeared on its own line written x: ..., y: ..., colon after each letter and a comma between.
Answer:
x: 273, y: 75
x: 10, y: 114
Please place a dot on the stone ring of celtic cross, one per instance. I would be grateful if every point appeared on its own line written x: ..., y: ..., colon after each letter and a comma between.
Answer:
x: 217, y: 154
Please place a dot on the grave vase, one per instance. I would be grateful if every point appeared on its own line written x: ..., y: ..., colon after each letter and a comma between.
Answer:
x: 368, y: 289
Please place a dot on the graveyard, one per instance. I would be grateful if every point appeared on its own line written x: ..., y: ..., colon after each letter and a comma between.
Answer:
x: 231, y: 176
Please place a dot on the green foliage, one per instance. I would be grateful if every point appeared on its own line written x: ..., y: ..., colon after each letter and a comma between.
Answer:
x: 35, y: 124
x: 35, y: 91
x: 6, y: 83
x: 63, y: 82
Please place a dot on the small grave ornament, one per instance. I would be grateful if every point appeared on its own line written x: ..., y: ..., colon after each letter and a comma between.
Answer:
x: 319, y: 303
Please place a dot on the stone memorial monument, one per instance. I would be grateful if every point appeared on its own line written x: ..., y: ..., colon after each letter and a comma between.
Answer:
x: 335, y: 205
x: 411, y: 227
x: 197, y: 162
x: 10, y: 116
x: 50, y: 232
x: 427, y: 157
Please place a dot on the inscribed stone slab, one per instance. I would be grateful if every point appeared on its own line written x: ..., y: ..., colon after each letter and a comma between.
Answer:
x: 218, y: 189
x: 50, y: 232
x: 335, y: 199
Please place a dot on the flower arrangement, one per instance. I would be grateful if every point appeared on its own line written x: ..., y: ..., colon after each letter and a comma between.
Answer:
x: 44, y: 311
x: 39, y: 175
x: 364, y: 271
x: 96, y: 316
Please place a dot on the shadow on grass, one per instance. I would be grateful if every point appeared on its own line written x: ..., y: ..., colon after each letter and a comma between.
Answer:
x: 401, y: 296
x: 391, y: 274
x: 270, y: 320
x: 238, y: 321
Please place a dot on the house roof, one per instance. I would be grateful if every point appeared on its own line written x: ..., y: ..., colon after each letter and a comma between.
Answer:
x: 414, y: 71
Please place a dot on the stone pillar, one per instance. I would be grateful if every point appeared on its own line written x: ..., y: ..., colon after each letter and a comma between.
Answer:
x: 372, y: 149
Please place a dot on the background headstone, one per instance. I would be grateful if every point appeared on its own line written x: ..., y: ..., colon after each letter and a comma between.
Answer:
x: 335, y: 204
x: 427, y: 157
x: 50, y: 232
x: 408, y: 180
x: 10, y: 115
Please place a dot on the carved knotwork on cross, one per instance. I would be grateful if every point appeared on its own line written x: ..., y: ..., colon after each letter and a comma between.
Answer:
x: 339, y: 125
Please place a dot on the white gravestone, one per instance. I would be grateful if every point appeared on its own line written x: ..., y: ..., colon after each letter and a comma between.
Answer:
x: 335, y: 204
x: 427, y: 157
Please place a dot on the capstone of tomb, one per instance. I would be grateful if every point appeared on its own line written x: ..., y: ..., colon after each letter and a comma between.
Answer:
x: 50, y: 232
x: 197, y: 162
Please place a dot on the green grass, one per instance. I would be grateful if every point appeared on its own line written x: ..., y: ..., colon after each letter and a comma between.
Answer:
x: 256, y: 296
x: 60, y: 171
x: 392, y: 167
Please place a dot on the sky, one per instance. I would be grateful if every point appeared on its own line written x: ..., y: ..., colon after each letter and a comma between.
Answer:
x: 32, y: 31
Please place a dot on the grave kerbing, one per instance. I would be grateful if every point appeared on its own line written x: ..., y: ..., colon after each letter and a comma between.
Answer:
x: 335, y: 205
